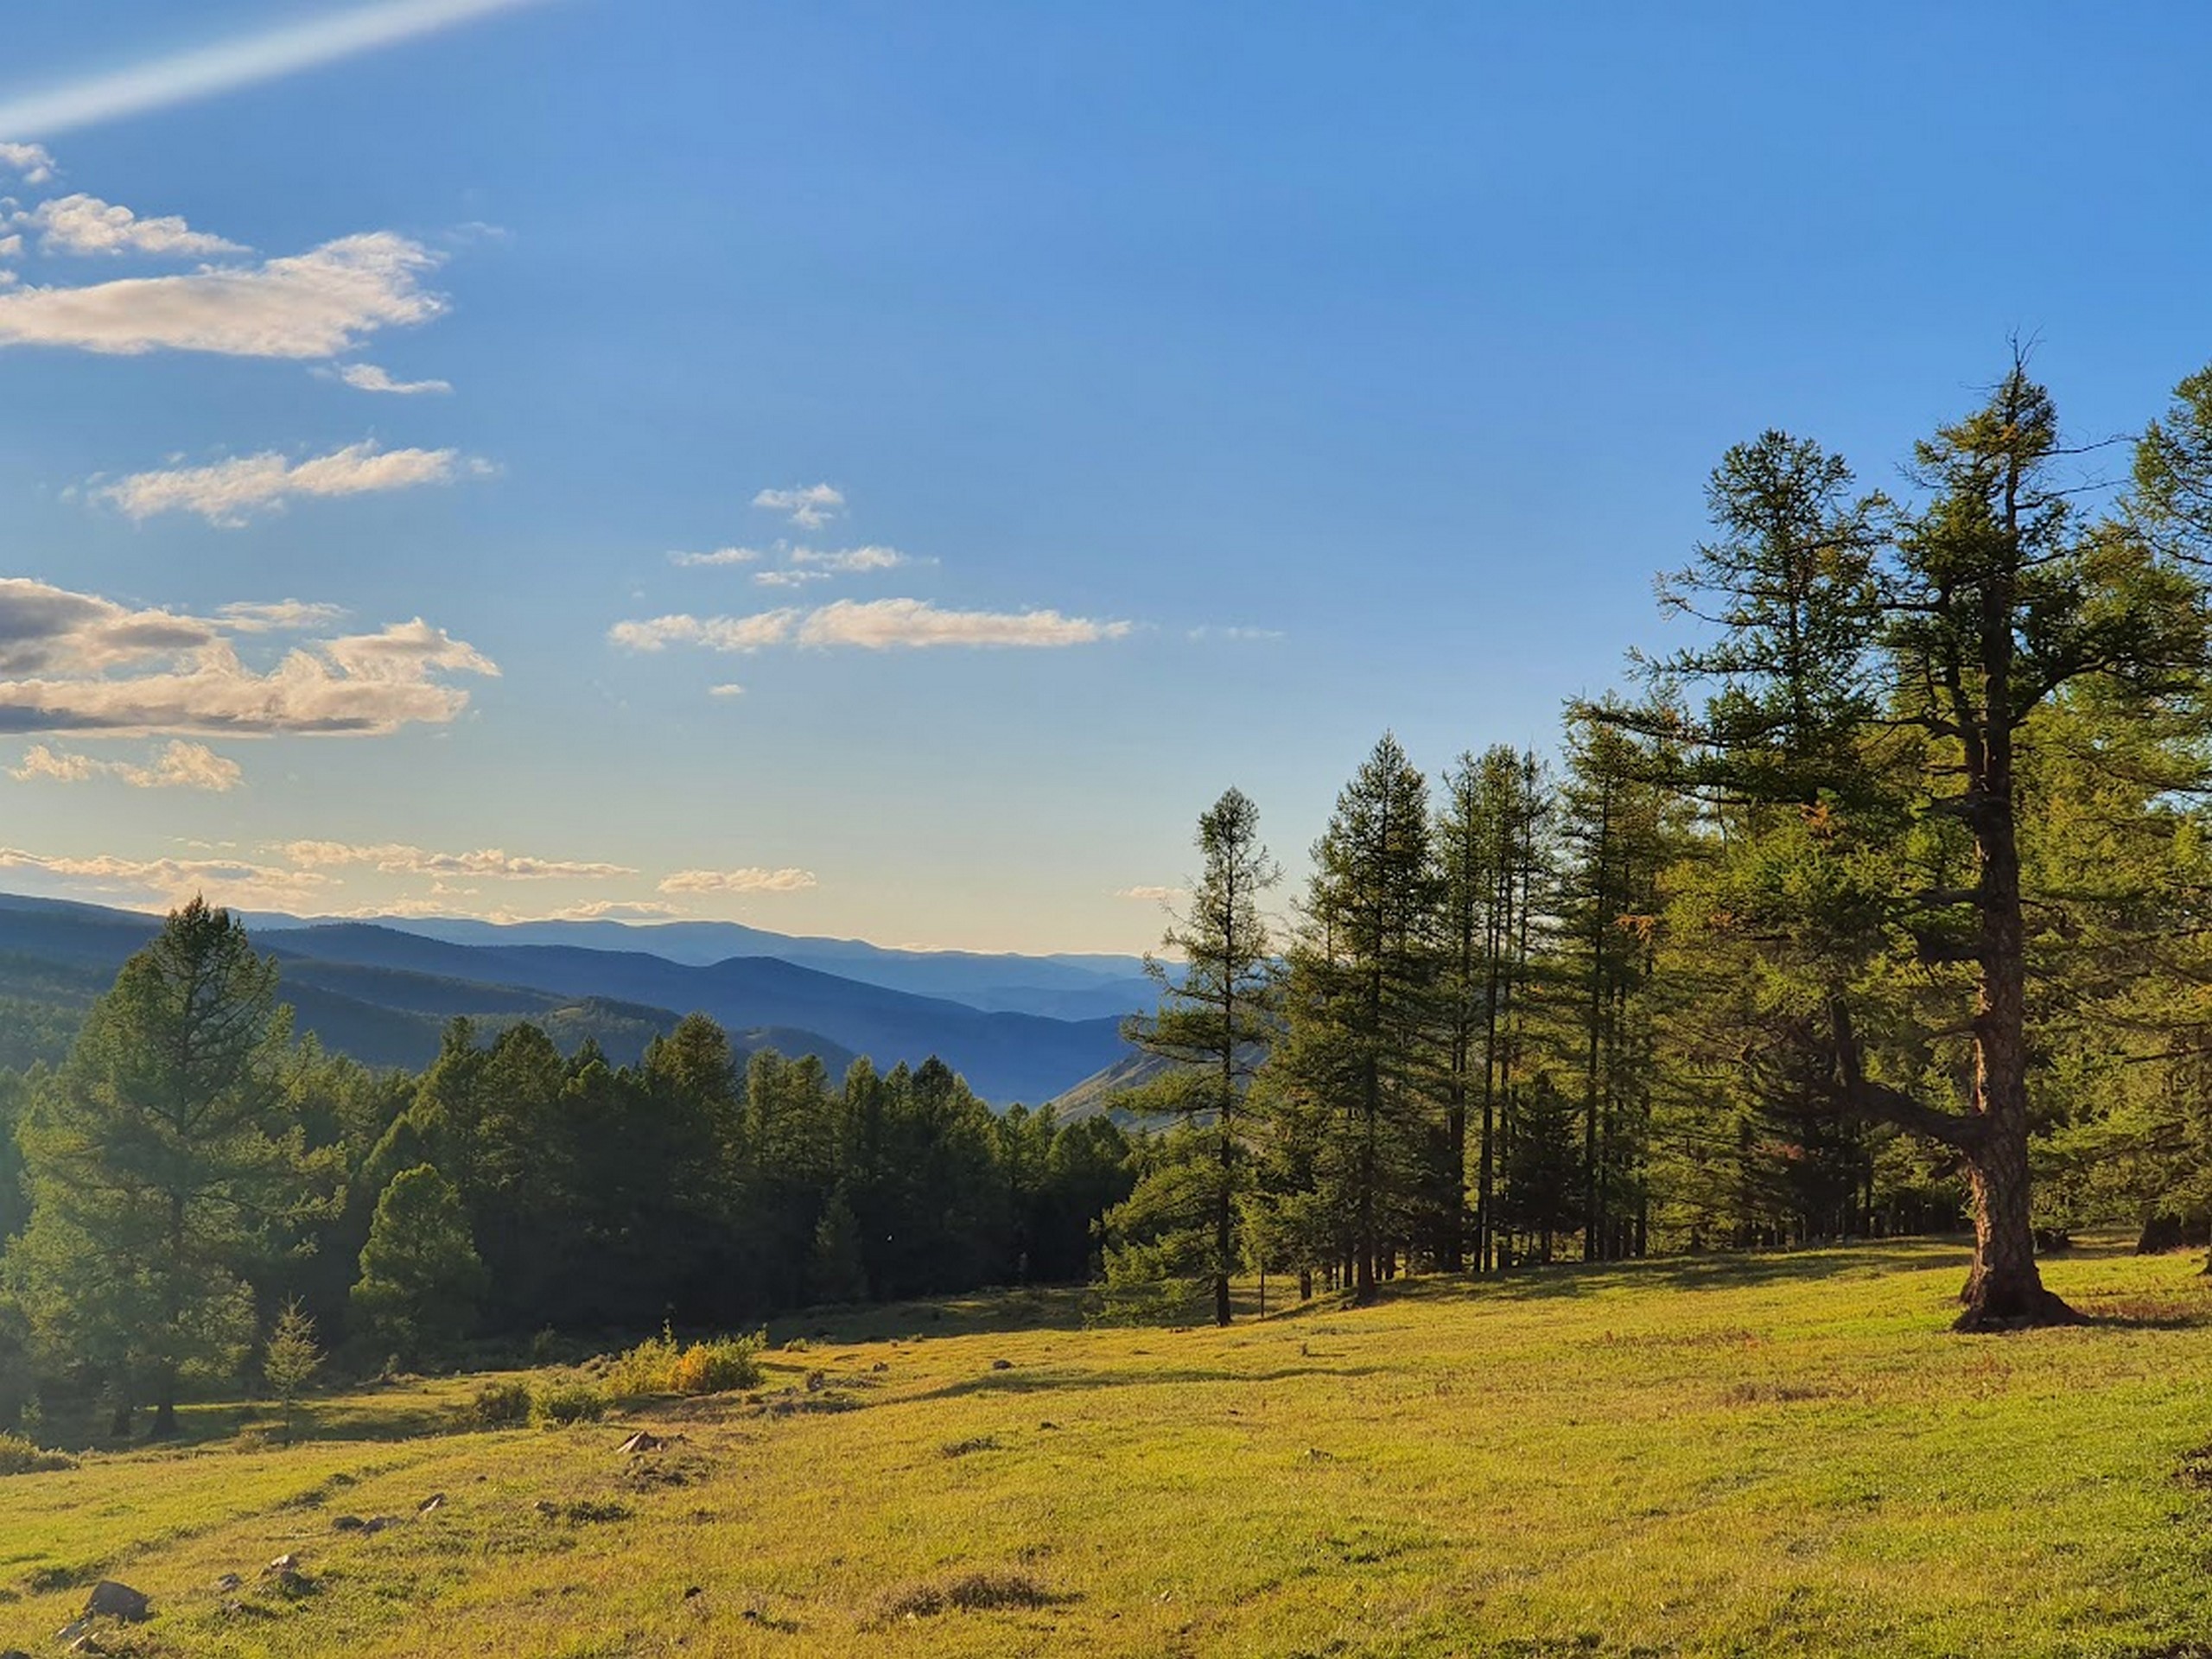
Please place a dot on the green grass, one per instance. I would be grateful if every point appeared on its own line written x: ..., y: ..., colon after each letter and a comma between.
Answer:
x: 1783, y: 1454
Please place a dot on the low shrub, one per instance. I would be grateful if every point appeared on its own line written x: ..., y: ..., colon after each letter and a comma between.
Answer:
x: 499, y: 1405
x: 557, y: 1403
x: 19, y: 1457
x: 663, y: 1365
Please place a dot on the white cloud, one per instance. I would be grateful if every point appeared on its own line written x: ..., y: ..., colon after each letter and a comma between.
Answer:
x: 886, y: 624
x: 394, y: 858
x: 73, y: 662
x: 789, y: 578
x: 367, y: 377
x: 309, y: 305
x: 848, y: 560
x: 179, y: 765
x: 85, y: 225
x: 229, y: 492
x: 1152, y: 895
x: 727, y: 688
x: 243, y: 60
x: 279, y: 616
x: 872, y: 624
x: 720, y: 555
x: 745, y: 880
x: 222, y: 880
x: 29, y: 163
x: 809, y: 507
x: 714, y: 633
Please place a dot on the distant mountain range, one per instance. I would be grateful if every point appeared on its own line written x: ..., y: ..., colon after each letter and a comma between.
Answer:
x: 1017, y: 1027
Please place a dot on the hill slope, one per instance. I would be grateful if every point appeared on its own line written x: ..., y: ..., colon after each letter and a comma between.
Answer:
x: 1720, y: 1457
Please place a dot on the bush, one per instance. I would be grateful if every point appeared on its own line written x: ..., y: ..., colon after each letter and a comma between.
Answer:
x: 567, y: 1402
x: 19, y: 1457
x: 661, y: 1366
x: 499, y: 1405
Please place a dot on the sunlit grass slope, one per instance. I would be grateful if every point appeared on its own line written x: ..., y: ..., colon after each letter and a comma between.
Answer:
x: 1771, y: 1455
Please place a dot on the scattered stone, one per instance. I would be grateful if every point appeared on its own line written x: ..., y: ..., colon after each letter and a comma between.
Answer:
x: 227, y: 1583
x: 690, y: 1591
x: 349, y: 1523
x: 284, y: 1563
x: 545, y: 1506
x: 881, y: 1365
x: 435, y: 1502
x: 86, y: 1644
x: 1001, y: 1364
x: 14, y: 1653
x: 111, y: 1600
x: 1048, y: 1423
x: 817, y: 1381
x: 377, y: 1523
x: 641, y: 1441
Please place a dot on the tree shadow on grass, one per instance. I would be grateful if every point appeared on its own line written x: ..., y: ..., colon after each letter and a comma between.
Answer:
x: 1049, y: 1380
x: 1735, y: 1271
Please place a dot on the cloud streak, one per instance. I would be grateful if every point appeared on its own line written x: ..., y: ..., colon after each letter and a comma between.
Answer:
x: 229, y: 492
x: 869, y: 624
x: 754, y: 879
x: 367, y: 377
x: 180, y: 765
x: 85, y: 225
x: 393, y: 858
x: 310, y: 305
x: 243, y: 61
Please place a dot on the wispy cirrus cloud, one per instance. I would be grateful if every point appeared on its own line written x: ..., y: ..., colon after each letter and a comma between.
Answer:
x: 870, y: 625
x: 1153, y: 895
x: 809, y: 507
x: 179, y: 765
x: 85, y: 225
x: 229, y: 492
x: 315, y: 304
x: 79, y: 663
x: 394, y: 858
x: 754, y: 879
x: 225, y: 65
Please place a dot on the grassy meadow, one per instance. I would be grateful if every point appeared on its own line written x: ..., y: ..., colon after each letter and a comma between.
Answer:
x: 1776, y: 1455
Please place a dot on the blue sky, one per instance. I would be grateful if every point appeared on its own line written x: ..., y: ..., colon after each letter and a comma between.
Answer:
x: 1157, y: 398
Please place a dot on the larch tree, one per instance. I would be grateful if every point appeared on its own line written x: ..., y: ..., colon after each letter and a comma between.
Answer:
x: 1361, y: 1036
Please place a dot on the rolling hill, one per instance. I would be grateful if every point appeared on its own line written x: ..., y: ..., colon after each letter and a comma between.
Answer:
x: 383, y: 995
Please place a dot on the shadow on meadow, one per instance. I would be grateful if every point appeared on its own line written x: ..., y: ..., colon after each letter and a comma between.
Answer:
x: 1044, y: 1380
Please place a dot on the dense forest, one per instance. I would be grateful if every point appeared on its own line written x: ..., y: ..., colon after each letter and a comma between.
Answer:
x: 1879, y: 906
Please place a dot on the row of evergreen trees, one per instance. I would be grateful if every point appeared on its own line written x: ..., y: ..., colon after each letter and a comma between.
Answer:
x: 190, y: 1170
x: 1882, y: 903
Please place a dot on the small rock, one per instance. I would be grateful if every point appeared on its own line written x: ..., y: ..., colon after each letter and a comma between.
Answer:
x: 112, y: 1601
x: 817, y: 1381
x: 543, y: 1507
x: 377, y: 1523
x: 227, y: 1583
x: 640, y: 1441
x: 284, y: 1563
x: 349, y: 1523
x: 86, y: 1644
x: 435, y: 1501
x: 1048, y: 1423
x: 1001, y: 1364
x: 690, y: 1591
x: 881, y: 1365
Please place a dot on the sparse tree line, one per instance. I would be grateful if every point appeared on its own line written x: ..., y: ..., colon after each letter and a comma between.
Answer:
x: 1883, y: 905
x: 191, y: 1172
